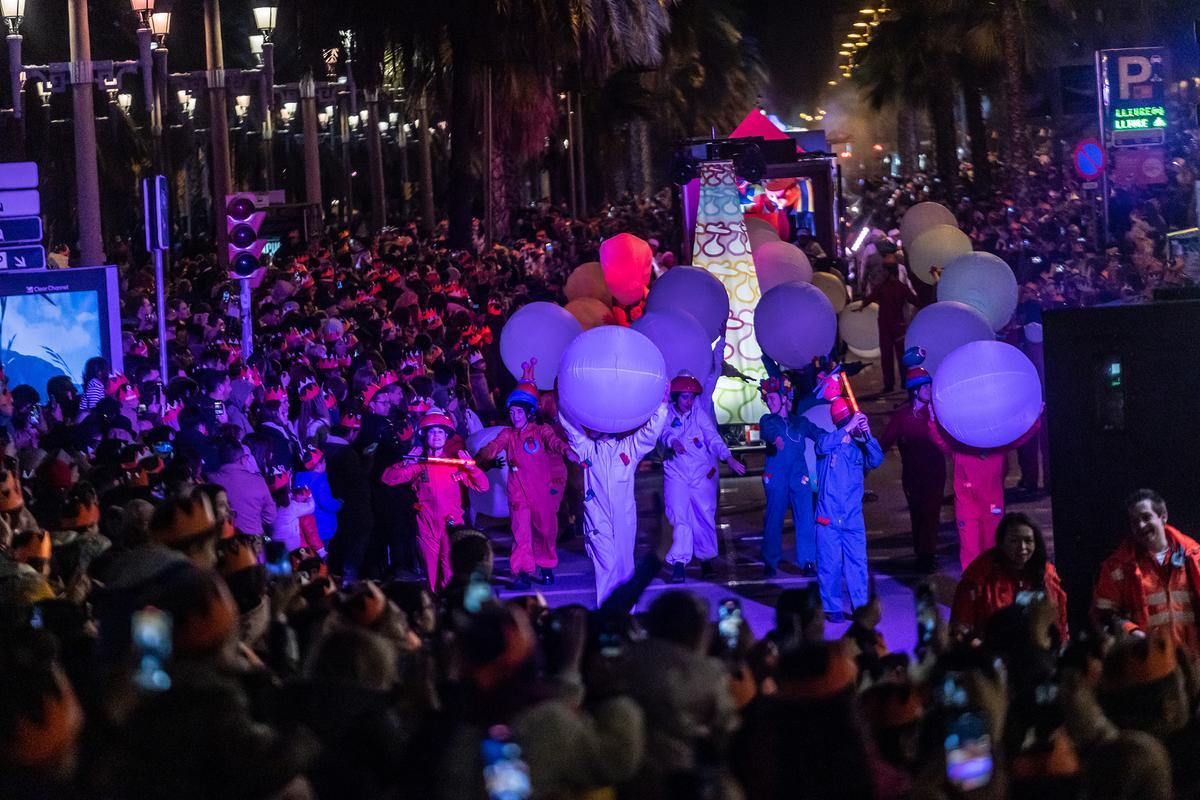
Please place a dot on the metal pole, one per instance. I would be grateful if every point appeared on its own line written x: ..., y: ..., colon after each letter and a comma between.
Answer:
x: 87, y: 175
x: 571, y: 184
x: 267, y: 90
x: 17, y: 83
x: 312, y: 152
x: 583, y: 204
x: 1104, y: 227
x: 489, y: 186
x: 158, y: 124
x: 161, y: 292
x: 345, y: 111
x: 222, y: 170
x: 247, y: 322
x: 427, y: 208
x: 375, y: 156
x: 146, y: 67
x: 405, y: 180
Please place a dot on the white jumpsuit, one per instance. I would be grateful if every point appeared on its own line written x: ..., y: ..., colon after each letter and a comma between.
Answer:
x: 610, y: 507
x: 690, y: 484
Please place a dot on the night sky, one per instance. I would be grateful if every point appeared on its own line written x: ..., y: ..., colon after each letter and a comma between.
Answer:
x: 798, y: 40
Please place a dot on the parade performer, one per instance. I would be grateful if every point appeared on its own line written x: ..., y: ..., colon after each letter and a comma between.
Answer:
x: 785, y: 479
x: 609, y: 506
x: 843, y: 457
x: 530, y: 449
x: 439, y: 492
x: 693, y: 449
x: 978, y: 488
x: 922, y: 463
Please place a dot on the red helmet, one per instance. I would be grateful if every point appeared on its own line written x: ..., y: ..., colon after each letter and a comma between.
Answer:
x: 436, y: 419
x: 686, y: 382
x: 840, y: 410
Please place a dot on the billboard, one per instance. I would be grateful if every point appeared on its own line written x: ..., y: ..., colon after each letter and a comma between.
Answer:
x: 1133, y: 88
x: 52, y: 322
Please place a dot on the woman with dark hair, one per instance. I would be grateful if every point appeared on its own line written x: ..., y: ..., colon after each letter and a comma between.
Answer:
x: 997, y: 579
x: 95, y: 381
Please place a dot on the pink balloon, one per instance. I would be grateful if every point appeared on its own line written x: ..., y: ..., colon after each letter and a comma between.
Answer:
x: 780, y: 262
x: 626, y: 261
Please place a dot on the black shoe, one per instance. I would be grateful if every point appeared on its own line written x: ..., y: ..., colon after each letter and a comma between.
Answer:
x: 522, y: 581
x: 546, y: 575
x: 677, y: 574
x: 708, y: 570
x: 769, y: 572
x: 809, y: 570
x: 834, y: 616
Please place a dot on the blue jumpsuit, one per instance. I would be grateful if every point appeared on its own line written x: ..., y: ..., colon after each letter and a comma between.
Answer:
x: 786, y: 482
x: 842, y: 463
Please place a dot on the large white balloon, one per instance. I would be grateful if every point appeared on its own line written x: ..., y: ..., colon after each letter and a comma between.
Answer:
x: 795, y: 322
x: 494, y: 501
x: 759, y: 232
x: 681, y: 340
x: 611, y: 379
x: 987, y: 394
x: 780, y: 262
x: 833, y: 288
x: 696, y: 291
x: 983, y: 281
x: 860, y: 329
x: 936, y: 246
x: 922, y: 216
x: 944, y: 327
x: 540, y: 330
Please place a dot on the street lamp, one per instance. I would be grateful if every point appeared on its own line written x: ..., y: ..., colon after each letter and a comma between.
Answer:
x: 264, y: 20
x: 125, y: 101
x: 256, y: 47
x: 144, y: 9
x: 12, y: 11
x: 160, y: 26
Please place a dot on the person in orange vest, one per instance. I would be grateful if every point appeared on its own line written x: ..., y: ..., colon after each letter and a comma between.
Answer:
x: 1016, y: 566
x: 1150, y: 584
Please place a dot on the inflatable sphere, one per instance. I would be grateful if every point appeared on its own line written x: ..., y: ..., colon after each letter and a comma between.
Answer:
x: 681, y: 340
x: 590, y: 312
x: 626, y: 261
x: 611, y: 379
x: 539, y: 330
x: 987, y: 394
x: 833, y: 288
x: 944, y: 327
x: 494, y: 501
x: 921, y: 217
x: 696, y: 291
x: 936, y: 247
x: 587, y: 280
x: 983, y: 281
x: 759, y: 231
x: 1033, y: 332
x: 793, y: 323
x: 860, y: 329
x: 780, y: 262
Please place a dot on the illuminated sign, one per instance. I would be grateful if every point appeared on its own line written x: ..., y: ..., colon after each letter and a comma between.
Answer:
x: 1133, y: 90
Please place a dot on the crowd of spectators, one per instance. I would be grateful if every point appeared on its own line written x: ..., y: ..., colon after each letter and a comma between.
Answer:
x: 206, y: 591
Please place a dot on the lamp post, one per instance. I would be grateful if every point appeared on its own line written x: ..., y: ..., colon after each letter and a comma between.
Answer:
x: 312, y: 152
x: 160, y: 26
x: 375, y: 158
x: 144, y: 9
x: 264, y: 19
x: 218, y: 127
x: 87, y: 175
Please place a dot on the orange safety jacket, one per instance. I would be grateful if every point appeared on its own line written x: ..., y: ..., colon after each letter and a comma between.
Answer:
x: 1145, y: 596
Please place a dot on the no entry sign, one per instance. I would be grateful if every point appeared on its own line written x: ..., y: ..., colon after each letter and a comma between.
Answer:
x: 1089, y: 159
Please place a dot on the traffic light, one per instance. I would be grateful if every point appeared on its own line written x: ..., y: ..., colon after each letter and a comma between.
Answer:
x: 242, y: 223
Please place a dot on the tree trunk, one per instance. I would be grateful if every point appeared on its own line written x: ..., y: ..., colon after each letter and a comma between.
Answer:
x: 463, y: 183
x: 907, y: 141
x: 502, y: 194
x: 1014, y: 94
x: 977, y: 130
x: 945, y: 134
x: 427, y: 208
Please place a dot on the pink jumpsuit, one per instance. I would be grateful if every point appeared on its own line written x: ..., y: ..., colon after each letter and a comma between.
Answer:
x: 534, y: 491
x: 978, y: 490
x: 439, y: 505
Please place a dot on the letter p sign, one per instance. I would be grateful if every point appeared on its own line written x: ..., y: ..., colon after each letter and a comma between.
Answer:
x: 1132, y: 70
